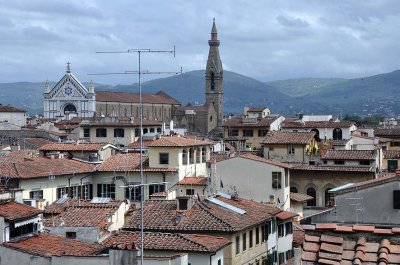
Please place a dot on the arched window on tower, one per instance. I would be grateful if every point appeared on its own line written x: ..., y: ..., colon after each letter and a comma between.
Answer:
x: 212, y: 81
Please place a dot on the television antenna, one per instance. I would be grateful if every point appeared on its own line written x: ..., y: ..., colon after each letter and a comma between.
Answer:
x: 139, y: 72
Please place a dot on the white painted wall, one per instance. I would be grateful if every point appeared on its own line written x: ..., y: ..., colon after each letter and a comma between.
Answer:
x: 14, y: 118
x: 252, y: 179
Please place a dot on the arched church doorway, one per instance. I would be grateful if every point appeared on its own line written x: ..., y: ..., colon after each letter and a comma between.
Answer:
x: 69, y: 108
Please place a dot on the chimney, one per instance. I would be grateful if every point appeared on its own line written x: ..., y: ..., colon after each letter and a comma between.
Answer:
x: 15, y: 147
x: 297, y: 256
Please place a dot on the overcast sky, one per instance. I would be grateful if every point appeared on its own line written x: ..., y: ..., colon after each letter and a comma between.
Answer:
x: 267, y: 40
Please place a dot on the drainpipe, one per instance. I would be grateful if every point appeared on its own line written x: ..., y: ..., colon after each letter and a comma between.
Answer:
x: 211, y: 257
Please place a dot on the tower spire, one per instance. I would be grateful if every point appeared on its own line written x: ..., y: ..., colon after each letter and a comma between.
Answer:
x: 214, y: 79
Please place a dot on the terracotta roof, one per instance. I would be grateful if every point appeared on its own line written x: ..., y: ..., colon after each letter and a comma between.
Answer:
x: 12, y: 211
x: 298, y: 235
x: 317, y: 124
x: 202, y: 181
x: 299, y: 197
x: 129, y: 162
x: 73, y: 147
x: 42, y: 167
x: 323, y: 248
x: 18, y: 156
x: 285, y: 215
x: 8, y: 108
x: 204, y: 216
x: 339, y: 142
x: 38, y: 142
x: 170, y: 242
x: 288, y: 137
x: 349, y: 155
x: 176, y: 141
x: 256, y: 109
x: 239, y: 121
x: 82, y: 216
x: 214, y: 158
x: 387, y: 132
x: 157, y: 98
x: 333, y: 168
x: 47, y: 245
x: 391, y: 154
x: 136, y: 145
x: 264, y: 160
x: 57, y: 208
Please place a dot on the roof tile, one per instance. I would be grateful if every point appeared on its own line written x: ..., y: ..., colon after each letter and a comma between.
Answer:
x: 280, y: 137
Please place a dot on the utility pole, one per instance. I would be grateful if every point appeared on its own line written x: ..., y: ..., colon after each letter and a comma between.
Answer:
x: 139, y: 72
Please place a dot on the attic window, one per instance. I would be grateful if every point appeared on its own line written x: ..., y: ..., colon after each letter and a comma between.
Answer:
x: 70, y: 235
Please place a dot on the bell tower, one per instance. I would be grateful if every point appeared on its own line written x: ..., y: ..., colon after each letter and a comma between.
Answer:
x: 214, y: 77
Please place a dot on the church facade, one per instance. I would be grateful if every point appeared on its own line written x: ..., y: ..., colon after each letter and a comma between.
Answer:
x: 69, y: 98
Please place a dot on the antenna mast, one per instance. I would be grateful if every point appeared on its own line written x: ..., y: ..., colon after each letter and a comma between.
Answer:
x: 140, y: 73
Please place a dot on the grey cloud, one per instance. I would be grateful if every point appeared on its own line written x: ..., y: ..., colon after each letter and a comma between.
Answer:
x: 292, y: 22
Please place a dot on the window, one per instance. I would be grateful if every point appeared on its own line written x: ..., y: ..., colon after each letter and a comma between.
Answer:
x: 198, y: 155
x: 337, y: 134
x: 286, y: 179
x: 339, y: 162
x: 311, y: 192
x: 210, y: 118
x: 36, y: 194
x: 87, y: 191
x: 247, y: 133
x: 365, y: 163
x: 263, y: 233
x: 191, y: 156
x: 262, y: 133
x: 61, y: 192
x: 281, y: 257
x: 294, y: 190
x: 394, y: 144
x: 244, y: 241
x: 70, y: 235
x: 288, y: 228
x: 396, y: 199
x: 164, y: 158
x: 156, y: 188
x: 291, y: 149
x: 250, y: 238
x: 233, y: 132
x: 151, y: 130
x: 86, y: 133
x: 119, y: 132
x: 101, y: 132
x: 281, y: 230
x: 392, y: 165
x: 189, y: 191
x: 137, y: 132
x: 276, y: 180
x: 106, y: 190
x: 219, y: 262
x: 237, y: 245
x: 271, y: 148
x: 145, y: 130
x: 325, y: 162
x: 203, y: 154
x: 133, y: 193
x: 184, y: 157
x: 257, y: 235
x: 329, y: 198
x: 289, y: 254
x: 74, y: 192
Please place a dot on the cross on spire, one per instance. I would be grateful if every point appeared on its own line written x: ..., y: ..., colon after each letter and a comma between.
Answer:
x: 68, y: 67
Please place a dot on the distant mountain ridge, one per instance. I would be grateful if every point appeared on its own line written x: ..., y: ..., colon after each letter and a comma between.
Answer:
x: 377, y: 94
